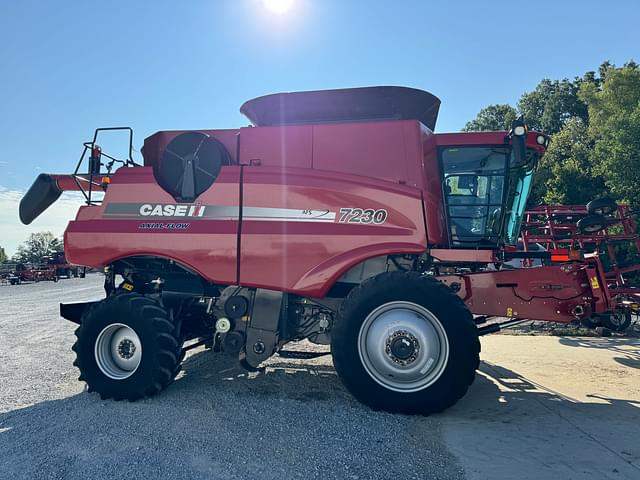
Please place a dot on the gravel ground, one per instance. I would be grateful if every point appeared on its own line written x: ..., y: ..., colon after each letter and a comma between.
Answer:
x: 215, y: 421
x: 542, y: 407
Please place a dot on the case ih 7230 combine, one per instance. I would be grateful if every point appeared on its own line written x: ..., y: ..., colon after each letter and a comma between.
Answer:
x: 338, y: 217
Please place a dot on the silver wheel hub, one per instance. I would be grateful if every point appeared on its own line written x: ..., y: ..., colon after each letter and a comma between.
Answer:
x: 403, y: 346
x: 118, y: 351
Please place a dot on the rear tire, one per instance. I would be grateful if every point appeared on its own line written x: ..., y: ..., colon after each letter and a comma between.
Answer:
x: 127, y: 347
x: 617, y: 322
x: 405, y: 343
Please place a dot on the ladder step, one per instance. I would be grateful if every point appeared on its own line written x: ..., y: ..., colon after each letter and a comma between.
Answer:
x: 301, y: 355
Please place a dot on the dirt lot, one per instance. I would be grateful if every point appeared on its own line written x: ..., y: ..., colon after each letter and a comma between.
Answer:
x: 541, y: 407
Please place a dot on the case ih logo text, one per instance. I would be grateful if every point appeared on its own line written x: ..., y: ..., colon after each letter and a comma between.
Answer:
x: 148, y: 210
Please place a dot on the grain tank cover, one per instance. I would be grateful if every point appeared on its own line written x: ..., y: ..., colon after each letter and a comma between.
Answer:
x: 343, y: 105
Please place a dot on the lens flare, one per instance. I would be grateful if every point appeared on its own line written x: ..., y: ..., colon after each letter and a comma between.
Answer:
x: 279, y: 7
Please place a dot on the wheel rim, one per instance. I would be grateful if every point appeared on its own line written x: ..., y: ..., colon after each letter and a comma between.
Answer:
x: 403, y: 346
x: 618, y: 320
x: 118, y: 351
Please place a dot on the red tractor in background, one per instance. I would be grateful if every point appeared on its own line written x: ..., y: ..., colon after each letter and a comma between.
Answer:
x: 62, y: 268
x: 33, y: 273
x: 339, y: 217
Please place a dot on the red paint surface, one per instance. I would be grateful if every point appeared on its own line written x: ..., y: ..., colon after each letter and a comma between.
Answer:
x: 539, y: 293
x: 208, y: 247
x: 308, y: 257
x: 389, y: 165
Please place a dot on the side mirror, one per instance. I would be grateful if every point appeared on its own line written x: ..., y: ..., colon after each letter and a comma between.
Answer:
x: 518, y: 134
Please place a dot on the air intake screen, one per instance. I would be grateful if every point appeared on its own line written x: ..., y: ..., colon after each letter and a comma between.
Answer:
x: 190, y: 164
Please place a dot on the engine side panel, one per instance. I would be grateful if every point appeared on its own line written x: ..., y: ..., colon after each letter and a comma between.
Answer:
x: 202, y: 236
x: 301, y: 229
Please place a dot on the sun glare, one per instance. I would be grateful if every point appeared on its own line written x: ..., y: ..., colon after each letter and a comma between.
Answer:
x: 279, y: 7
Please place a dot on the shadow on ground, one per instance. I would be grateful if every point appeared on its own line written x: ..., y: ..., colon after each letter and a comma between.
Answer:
x: 509, y: 426
x: 628, y: 349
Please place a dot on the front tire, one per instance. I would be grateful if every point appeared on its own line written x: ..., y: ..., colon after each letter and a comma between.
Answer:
x: 127, y: 347
x: 405, y: 343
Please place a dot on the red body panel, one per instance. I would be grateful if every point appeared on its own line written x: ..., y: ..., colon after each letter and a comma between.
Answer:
x: 307, y: 257
x: 545, y: 293
x: 290, y: 146
x: 295, y: 255
x: 433, y: 193
x: 207, y: 246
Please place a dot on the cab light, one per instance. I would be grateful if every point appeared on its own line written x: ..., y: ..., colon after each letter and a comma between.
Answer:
x: 520, y: 130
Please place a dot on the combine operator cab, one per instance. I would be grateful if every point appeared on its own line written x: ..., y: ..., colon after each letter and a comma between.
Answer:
x: 486, y: 189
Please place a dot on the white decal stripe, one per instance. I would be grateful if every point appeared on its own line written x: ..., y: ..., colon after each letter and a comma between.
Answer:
x: 217, y: 212
x: 288, y: 219
x: 287, y: 213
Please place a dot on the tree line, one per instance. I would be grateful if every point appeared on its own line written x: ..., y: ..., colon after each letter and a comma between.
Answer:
x: 594, y: 124
x: 35, y: 249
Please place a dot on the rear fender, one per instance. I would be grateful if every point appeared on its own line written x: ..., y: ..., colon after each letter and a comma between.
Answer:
x: 74, y: 311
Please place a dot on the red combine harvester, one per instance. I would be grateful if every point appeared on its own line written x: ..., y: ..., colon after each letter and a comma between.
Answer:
x: 339, y: 217
x: 590, y: 232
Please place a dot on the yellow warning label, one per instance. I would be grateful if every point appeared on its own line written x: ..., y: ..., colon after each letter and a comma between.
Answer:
x: 509, y: 312
x: 594, y: 283
x: 127, y: 286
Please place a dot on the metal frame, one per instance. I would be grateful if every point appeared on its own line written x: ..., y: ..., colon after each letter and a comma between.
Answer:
x: 615, y: 287
x: 89, y: 146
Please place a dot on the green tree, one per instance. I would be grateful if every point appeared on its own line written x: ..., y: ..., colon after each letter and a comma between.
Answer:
x: 37, y: 247
x: 614, y: 125
x: 3, y: 255
x: 566, y: 172
x: 553, y: 102
x: 491, y: 118
x: 569, y: 172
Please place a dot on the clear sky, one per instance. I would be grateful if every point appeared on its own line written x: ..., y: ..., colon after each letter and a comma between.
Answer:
x: 69, y: 66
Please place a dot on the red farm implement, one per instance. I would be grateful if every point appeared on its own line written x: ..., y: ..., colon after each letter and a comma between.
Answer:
x: 601, y: 235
